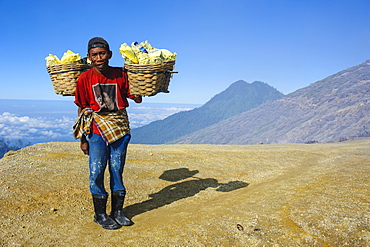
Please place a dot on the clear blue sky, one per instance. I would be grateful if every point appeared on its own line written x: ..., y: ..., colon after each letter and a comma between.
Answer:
x: 288, y: 44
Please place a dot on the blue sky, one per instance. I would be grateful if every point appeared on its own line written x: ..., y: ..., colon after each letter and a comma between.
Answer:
x: 288, y: 44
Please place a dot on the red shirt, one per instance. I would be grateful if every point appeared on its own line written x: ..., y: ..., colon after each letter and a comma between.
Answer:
x: 103, y: 93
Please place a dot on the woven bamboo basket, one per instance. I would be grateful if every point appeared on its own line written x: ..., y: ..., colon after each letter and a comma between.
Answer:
x: 149, y: 79
x: 64, y: 77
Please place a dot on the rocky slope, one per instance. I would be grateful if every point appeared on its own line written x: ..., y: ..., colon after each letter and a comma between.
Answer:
x: 193, y: 195
x: 335, y: 108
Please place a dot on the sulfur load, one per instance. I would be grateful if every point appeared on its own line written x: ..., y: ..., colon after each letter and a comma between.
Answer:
x: 68, y: 57
x: 144, y: 53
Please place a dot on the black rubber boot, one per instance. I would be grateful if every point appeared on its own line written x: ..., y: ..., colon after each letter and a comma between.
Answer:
x: 101, y: 217
x: 117, y: 209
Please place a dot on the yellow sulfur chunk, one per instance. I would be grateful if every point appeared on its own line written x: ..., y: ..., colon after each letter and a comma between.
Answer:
x: 71, y: 57
x: 156, y: 56
x: 52, y: 60
x: 128, y: 54
x: 168, y: 56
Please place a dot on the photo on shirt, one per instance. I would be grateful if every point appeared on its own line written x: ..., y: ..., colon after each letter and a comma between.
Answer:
x: 105, y: 95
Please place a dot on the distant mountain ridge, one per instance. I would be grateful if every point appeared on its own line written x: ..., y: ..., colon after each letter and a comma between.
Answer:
x: 237, y: 98
x: 333, y: 109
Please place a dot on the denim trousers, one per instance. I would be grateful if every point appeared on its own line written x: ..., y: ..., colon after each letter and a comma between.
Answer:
x: 102, y: 155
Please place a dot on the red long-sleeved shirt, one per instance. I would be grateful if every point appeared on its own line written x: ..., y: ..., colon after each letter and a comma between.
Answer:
x: 103, y: 92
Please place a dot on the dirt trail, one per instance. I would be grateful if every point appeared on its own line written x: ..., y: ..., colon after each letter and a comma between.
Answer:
x: 193, y: 195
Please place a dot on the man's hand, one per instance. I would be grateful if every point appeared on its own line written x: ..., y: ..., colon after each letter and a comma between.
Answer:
x: 84, y: 145
x: 138, y: 99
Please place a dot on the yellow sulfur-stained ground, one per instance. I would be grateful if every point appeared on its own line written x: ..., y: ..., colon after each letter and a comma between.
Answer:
x: 193, y: 195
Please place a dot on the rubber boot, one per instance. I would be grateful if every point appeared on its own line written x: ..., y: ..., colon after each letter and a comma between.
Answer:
x: 117, y: 209
x: 101, y: 217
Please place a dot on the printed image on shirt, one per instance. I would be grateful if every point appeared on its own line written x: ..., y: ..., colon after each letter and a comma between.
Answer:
x: 105, y: 95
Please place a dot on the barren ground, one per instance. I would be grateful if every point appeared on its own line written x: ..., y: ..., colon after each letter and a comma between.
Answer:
x: 193, y: 195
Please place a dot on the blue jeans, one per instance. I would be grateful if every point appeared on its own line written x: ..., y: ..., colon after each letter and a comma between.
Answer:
x: 101, y: 155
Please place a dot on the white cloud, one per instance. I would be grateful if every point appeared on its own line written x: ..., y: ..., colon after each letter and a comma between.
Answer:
x: 13, y: 126
x: 176, y: 109
x: 50, y: 133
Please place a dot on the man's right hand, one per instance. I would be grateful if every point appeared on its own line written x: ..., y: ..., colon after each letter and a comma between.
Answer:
x: 84, y: 145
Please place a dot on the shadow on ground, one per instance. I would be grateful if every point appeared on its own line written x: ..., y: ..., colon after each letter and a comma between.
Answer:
x: 180, y: 190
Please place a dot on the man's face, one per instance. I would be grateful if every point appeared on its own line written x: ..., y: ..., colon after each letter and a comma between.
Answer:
x: 99, y: 57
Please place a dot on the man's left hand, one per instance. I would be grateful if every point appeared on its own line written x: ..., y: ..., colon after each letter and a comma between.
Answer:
x: 138, y: 99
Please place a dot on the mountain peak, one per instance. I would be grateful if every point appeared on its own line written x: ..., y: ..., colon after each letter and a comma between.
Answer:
x: 239, y: 97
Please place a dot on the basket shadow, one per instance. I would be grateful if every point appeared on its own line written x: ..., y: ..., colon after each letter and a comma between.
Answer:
x: 180, y: 190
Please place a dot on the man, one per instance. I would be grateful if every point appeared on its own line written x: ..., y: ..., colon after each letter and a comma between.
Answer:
x: 103, y: 128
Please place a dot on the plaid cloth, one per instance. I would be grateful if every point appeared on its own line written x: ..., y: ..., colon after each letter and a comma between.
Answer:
x: 111, y: 125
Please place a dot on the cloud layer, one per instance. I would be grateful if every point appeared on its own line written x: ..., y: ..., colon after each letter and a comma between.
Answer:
x: 28, y: 128
x: 54, y: 126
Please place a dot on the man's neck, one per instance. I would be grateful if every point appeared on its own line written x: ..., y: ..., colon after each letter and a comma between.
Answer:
x: 104, y: 72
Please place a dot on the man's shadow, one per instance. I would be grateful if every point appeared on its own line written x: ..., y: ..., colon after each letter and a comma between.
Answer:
x: 180, y: 190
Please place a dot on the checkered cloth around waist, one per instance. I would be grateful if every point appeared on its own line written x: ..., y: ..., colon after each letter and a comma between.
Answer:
x: 111, y: 125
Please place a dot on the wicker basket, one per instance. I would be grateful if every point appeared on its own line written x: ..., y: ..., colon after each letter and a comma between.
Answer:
x: 64, y: 77
x: 149, y: 79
